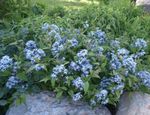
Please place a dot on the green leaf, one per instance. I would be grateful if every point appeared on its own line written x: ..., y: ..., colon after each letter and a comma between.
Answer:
x: 1, y: 94
x: 53, y: 82
x: 94, y: 74
x: 86, y: 86
x: 70, y: 92
x: 59, y: 94
x: 22, y: 76
x: 130, y: 82
x: 45, y: 79
x: 64, y: 88
x: 30, y: 69
x: 21, y: 99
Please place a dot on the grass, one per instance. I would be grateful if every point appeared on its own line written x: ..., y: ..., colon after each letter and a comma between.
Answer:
x: 69, y: 4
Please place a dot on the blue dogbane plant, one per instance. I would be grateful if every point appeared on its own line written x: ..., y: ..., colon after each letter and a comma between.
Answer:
x: 94, y: 69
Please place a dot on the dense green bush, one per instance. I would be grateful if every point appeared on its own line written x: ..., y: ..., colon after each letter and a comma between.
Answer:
x: 94, y: 54
x: 14, y: 8
x: 117, y: 18
x: 58, y: 11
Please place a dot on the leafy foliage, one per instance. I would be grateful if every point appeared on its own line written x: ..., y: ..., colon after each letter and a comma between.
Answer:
x: 94, y: 54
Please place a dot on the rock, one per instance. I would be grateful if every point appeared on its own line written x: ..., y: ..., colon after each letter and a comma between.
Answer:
x: 45, y: 104
x: 144, y: 3
x: 134, y: 104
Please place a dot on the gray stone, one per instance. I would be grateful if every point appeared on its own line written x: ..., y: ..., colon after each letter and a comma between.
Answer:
x: 144, y: 3
x: 134, y: 104
x: 46, y: 104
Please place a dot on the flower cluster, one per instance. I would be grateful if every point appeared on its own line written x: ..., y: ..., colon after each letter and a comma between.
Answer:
x: 47, y: 27
x: 115, y: 44
x: 73, y: 42
x: 78, y: 83
x: 82, y: 53
x: 82, y: 64
x: 5, y: 63
x: 101, y: 97
x: 77, y: 96
x: 100, y: 50
x: 144, y: 76
x: 130, y: 64
x: 116, y: 83
x: 115, y: 62
x: 60, y: 41
x: 98, y: 37
x: 140, y: 43
x: 58, y: 70
x: 74, y: 66
x: 12, y: 82
x: 57, y: 47
x: 32, y: 53
x: 123, y: 52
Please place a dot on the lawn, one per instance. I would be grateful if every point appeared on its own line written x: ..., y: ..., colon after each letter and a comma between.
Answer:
x: 66, y: 3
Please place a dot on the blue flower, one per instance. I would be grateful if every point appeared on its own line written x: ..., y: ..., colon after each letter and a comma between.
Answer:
x: 102, y: 96
x: 39, y: 67
x: 59, y: 70
x: 92, y: 102
x: 115, y: 63
x: 101, y: 36
x: 54, y: 27
x: 30, y: 44
x: 40, y: 52
x: 105, y: 82
x: 32, y: 52
x: 118, y: 87
x: 129, y: 64
x: 78, y: 83
x: 139, y: 54
x: 56, y: 48
x: 115, y: 43
x: 73, y: 42
x: 100, y: 50
x: 5, y: 63
x: 77, y: 96
x: 85, y: 65
x: 82, y: 53
x: 74, y: 66
x: 45, y: 27
x: 115, y: 81
x: 144, y: 77
x: 86, y: 25
x: 123, y: 52
x: 140, y: 43
x: 52, y: 33
x: 12, y: 81
x: 57, y: 37
x: 16, y: 66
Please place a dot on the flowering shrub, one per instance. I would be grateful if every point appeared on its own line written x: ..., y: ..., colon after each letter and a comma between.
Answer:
x: 85, y: 66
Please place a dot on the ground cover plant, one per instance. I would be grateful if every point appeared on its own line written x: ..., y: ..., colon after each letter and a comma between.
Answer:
x: 93, y: 54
